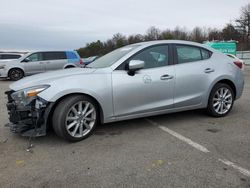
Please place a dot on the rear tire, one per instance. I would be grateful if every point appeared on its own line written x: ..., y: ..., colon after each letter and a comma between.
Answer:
x: 221, y: 100
x: 75, y: 118
x: 16, y: 74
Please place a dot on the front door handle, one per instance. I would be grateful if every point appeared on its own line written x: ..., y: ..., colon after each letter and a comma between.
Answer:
x: 208, y: 70
x: 166, y: 77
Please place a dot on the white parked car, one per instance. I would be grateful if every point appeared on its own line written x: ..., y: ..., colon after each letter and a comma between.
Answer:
x: 9, y: 56
x: 38, y: 62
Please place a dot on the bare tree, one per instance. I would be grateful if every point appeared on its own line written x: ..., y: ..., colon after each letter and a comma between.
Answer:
x: 198, y: 35
x: 230, y: 33
x: 167, y: 34
x: 135, y: 38
x: 153, y: 33
x: 180, y: 34
x: 243, y: 24
x: 214, y: 34
x: 119, y: 40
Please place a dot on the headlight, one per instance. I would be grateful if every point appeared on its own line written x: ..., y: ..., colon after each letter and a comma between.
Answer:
x: 25, y: 96
x: 2, y: 66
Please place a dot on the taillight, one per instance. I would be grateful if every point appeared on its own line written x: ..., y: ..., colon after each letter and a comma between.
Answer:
x: 81, y: 62
x: 239, y: 64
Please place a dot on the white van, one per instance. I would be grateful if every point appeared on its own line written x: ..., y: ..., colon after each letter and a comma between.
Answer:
x: 38, y: 62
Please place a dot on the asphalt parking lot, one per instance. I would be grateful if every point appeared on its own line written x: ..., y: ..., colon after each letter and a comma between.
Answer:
x: 187, y: 149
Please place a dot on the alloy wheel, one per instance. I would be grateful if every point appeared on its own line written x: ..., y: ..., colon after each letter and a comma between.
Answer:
x: 16, y: 74
x: 222, y: 100
x: 80, y: 119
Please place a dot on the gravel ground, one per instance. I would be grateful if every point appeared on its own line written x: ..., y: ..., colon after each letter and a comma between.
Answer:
x: 152, y: 152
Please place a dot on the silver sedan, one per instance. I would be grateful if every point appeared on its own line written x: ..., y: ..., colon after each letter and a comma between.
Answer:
x: 138, y: 80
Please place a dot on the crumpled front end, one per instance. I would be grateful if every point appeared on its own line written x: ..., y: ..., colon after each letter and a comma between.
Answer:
x: 29, y: 119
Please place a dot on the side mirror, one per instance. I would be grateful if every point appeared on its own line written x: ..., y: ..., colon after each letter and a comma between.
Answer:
x: 26, y: 60
x: 135, y: 65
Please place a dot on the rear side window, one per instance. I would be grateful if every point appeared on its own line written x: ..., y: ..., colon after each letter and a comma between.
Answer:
x: 54, y: 55
x: 71, y: 55
x: 205, y: 54
x: 10, y: 56
x: 188, y: 53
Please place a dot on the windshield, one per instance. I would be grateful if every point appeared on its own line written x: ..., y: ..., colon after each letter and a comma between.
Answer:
x: 110, y: 58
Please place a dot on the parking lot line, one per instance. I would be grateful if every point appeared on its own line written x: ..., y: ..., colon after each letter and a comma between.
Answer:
x: 199, y: 147
x: 231, y: 164
x: 180, y: 137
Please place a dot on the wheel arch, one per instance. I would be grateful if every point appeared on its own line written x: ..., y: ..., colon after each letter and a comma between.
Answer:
x: 101, y: 115
x: 15, y: 68
x: 224, y: 80
x: 69, y: 65
x: 230, y: 83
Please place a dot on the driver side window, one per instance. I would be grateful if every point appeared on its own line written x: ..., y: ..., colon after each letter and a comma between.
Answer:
x: 153, y: 57
x: 35, y: 57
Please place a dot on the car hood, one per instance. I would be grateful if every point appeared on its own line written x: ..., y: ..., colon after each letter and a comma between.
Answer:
x: 46, y: 78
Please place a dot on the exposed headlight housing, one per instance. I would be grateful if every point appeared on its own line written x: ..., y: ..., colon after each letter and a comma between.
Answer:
x: 2, y: 66
x: 25, y: 96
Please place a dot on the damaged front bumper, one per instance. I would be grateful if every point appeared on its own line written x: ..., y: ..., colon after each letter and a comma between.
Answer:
x: 30, y: 120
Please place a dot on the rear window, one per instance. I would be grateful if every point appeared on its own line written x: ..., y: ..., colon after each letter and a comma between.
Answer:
x: 54, y: 55
x: 229, y: 55
x: 71, y: 55
x: 205, y: 54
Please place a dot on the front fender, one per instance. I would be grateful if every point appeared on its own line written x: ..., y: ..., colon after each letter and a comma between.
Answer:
x: 97, y: 86
x: 63, y: 93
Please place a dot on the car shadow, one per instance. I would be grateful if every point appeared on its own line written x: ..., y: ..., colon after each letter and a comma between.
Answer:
x: 117, y: 128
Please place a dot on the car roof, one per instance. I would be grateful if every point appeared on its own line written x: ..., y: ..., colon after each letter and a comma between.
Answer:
x: 149, y: 43
x: 51, y: 51
x: 40, y: 51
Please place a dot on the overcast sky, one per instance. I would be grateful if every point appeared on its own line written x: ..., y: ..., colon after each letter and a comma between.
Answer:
x: 70, y: 24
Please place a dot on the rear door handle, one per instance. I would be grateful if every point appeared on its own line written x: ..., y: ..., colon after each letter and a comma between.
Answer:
x: 166, y: 77
x: 208, y: 70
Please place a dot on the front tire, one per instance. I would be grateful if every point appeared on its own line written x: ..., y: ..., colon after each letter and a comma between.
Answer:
x: 16, y: 74
x: 75, y: 118
x: 221, y: 100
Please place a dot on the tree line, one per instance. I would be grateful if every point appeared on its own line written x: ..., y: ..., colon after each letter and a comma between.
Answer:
x: 239, y: 31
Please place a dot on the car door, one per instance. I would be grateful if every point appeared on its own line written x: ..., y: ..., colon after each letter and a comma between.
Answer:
x: 33, y: 64
x: 150, y: 89
x: 54, y: 60
x: 193, y: 69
